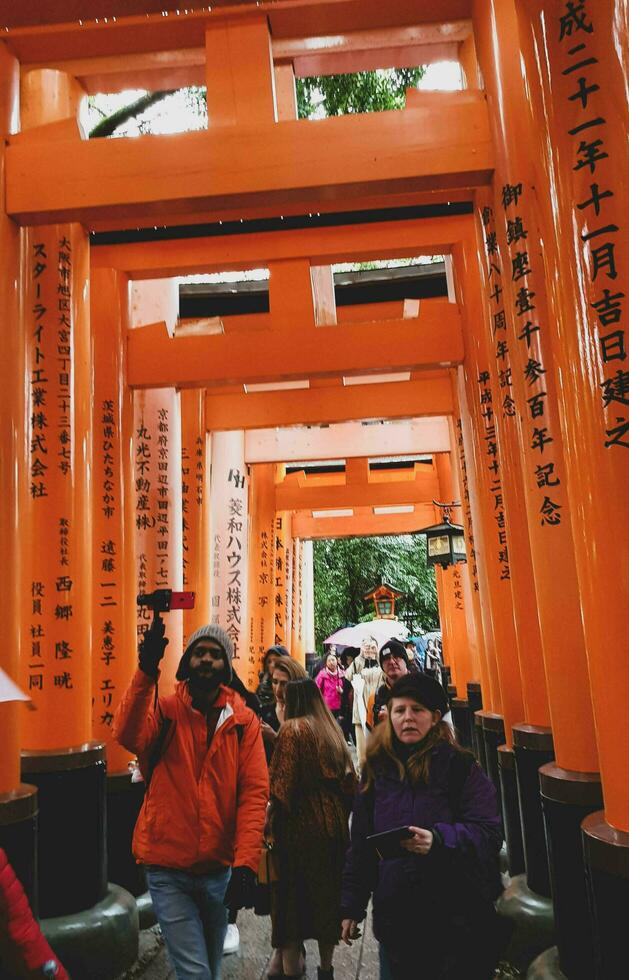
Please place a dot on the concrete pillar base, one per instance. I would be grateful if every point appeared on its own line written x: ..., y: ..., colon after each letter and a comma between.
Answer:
x: 533, y: 923
x: 546, y: 966
x: 607, y: 872
x: 124, y: 801
x: 462, y: 721
x: 567, y: 798
x: 511, y: 810
x: 145, y: 910
x: 98, y: 943
x: 71, y: 831
x: 533, y: 747
x: 479, y: 741
x: 493, y: 736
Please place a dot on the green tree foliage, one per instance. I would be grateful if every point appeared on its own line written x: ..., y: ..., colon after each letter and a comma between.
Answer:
x: 346, y: 568
x: 330, y: 95
x: 361, y: 91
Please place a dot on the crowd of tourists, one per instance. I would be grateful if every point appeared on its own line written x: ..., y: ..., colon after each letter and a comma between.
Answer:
x: 255, y: 801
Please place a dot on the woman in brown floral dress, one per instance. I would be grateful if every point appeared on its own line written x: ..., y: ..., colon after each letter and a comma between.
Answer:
x: 312, y: 783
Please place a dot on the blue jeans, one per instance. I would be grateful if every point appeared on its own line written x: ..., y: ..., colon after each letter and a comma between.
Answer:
x: 193, y: 919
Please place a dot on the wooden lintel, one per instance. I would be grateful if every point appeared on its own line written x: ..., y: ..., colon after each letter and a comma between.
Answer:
x: 433, y: 340
x: 321, y: 245
x: 418, y: 436
x: 362, y: 523
x: 424, y: 487
x: 342, y: 158
x: 108, y: 27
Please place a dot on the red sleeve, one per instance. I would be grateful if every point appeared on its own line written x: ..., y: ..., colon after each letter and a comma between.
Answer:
x: 23, y: 948
x: 135, y: 722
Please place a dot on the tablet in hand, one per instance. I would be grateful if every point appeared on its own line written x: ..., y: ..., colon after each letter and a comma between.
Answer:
x: 387, y: 844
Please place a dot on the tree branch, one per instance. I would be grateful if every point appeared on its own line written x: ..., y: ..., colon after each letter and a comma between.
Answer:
x: 113, y: 122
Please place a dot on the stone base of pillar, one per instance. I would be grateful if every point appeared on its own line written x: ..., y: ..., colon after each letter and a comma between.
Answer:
x: 72, y: 872
x: 462, y: 721
x: 18, y: 837
x: 475, y: 696
x: 533, y: 747
x: 124, y: 800
x: 567, y: 799
x: 511, y: 810
x: 531, y: 918
x: 98, y: 943
x: 145, y: 910
x: 546, y: 967
x: 607, y: 868
x: 493, y: 736
x: 479, y: 741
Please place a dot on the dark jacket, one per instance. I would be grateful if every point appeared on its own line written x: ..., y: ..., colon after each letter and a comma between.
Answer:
x: 418, y: 902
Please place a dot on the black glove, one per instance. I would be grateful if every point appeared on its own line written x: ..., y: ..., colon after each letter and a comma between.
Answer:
x: 152, y: 646
x: 241, y: 889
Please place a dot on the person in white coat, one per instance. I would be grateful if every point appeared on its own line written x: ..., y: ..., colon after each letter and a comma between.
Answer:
x: 365, y: 675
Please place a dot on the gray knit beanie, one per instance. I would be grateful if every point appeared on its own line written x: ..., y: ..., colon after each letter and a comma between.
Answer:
x: 214, y: 632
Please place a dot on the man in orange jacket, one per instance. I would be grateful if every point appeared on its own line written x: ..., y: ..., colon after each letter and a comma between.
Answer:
x: 199, y: 832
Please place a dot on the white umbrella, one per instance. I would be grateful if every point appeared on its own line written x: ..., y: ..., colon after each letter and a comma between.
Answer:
x: 381, y: 630
x: 9, y: 691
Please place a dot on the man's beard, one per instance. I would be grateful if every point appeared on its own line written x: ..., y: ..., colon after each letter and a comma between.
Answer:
x: 207, y: 681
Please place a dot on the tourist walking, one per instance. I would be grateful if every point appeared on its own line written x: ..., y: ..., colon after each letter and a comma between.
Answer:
x: 330, y: 682
x: 394, y: 664
x: 265, y: 689
x: 199, y: 832
x: 365, y: 676
x: 312, y: 784
x: 435, y: 881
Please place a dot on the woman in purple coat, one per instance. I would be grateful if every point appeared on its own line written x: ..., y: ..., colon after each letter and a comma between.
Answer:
x: 433, y: 893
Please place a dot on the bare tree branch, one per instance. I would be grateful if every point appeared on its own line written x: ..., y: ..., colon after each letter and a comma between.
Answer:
x: 113, y: 122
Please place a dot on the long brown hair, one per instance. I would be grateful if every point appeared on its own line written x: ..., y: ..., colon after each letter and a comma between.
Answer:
x: 304, y: 701
x: 291, y: 668
x: 381, y: 752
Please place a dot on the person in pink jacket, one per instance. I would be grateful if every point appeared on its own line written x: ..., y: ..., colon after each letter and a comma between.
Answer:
x: 330, y: 682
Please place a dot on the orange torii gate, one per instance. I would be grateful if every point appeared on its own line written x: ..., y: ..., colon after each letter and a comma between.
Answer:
x: 517, y: 181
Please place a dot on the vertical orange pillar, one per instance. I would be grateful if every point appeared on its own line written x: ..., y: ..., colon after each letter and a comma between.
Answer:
x: 580, y: 108
x: 12, y: 439
x: 454, y: 584
x: 471, y: 588
x: 114, y: 645
x: 297, y: 622
x: 261, y: 566
x: 574, y: 60
x: 157, y: 455
x: 511, y: 233
x: 195, y: 507
x: 492, y: 551
x: 57, y: 557
x: 230, y: 539
x: 239, y: 72
x: 282, y: 545
x: 497, y: 354
x: 308, y: 596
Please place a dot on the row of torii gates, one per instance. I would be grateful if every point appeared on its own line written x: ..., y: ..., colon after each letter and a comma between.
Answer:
x: 141, y: 450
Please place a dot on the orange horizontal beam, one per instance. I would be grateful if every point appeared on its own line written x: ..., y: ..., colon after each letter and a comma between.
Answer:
x: 312, y: 406
x: 362, y: 524
x: 423, y: 488
x: 48, y: 37
x: 341, y: 158
x: 355, y: 51
x: 432, y: 340
x: 322, y: 246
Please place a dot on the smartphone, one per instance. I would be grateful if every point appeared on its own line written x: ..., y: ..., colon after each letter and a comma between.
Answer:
x: 387, y: 844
